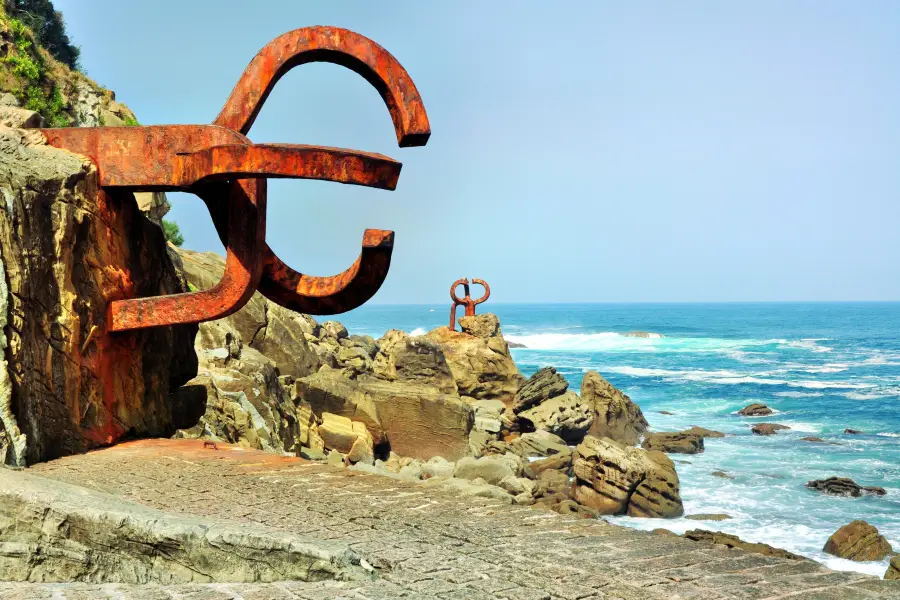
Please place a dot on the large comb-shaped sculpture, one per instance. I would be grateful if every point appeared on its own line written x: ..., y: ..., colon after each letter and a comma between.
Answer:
x: 220, y: 165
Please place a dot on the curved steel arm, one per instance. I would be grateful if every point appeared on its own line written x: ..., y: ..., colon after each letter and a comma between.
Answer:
x: 333, y: 45
x: 487, y: 291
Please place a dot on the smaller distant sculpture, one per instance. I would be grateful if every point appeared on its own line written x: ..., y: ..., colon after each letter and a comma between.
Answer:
x: 467, y: 300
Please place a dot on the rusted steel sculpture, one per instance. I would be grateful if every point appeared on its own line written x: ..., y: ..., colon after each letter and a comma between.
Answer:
x: 228, y: 172
x: 466, y: 300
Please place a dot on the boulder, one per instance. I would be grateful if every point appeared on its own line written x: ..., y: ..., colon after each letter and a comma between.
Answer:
x: 704, y: 432
x: 437, y: 466
x: 755, y: 410
x: 488, y: 415
x: 477, y: 488
x: 843, y: 486
x: 20, y: 118
x: 66, y: 252
x: 615, y: 416
x: 491, y: 469
x: 479, y: 358
x: 858, y: 541
x: 341, y: 434
x: 767, y: 428
x: 893, y: 570
x: 546, y: 383
x: 566, y: 416
x: 681, y: 442
x: 414, y: 420
x: 561, y: 462
x: 539, y: 443
x: 616, y: 479
x: 733, y: 541
x: 416, y: 359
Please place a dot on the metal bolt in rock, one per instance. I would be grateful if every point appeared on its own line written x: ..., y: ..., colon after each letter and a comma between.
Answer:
x: 228, y: 172
x: 466, y: 300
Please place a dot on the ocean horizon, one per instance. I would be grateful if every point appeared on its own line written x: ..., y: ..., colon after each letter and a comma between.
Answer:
x: 822, y: 367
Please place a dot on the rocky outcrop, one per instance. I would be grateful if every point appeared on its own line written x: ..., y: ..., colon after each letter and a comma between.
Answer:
x: 539, y: 443
x: 546, y: 383
x: 755, y: 410
x: 479, y: 358
x: 615, y: 416
x: 67, y: 252
x: 566, y: 415
x: 843, y: 486
x: 410, y: 419
x: 767, y: 428
x: 402, y: 357
x: 858, y: 541
x: 681, y: 442
x: 733, y: 541
x: 66, y: 533
x: 616, y: 479
x: 893, y: 570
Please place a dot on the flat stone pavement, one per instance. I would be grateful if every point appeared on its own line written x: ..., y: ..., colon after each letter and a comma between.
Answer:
x: 424, y: 543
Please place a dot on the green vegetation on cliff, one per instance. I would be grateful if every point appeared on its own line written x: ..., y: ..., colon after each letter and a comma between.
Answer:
x: 38, y: 70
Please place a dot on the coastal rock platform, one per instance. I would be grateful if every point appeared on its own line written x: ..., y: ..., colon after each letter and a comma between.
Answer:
x: 406, y: 540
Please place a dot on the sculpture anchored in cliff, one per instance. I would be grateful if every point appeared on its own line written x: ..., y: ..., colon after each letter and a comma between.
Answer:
x: 228, y: 172
x: 466, y: 300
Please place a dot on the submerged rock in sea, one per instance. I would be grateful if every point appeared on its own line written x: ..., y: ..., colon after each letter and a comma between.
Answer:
x: 849, y: 431
x: 844, y: 486
x: 680, y: 442
x: 755, y: 410
x: 767, y: 428
x: 858, y: 541
x: 708, y: 517
x: 617, y: 479
x: 721, y: 474
x: 733, y: 541
x: 704, y: 432
x: 644, y: 334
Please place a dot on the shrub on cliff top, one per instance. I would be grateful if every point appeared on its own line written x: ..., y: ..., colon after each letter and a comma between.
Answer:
x: 48, y: 27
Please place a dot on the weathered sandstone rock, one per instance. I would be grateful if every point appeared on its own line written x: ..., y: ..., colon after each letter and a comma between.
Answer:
x: 539, y: 443
x: 704, y: 432
x: 341, y: 434
x: 65, y: 253
x: 681, y: 442
x: 893, y: 570
x: 843, y: 486
x: 492, y: 469
x: 565, y: 415
x: 417, y: 359
x: 755, y: 410
x: 546, y: 383
x: 479, y: 358
x: 274, y: 331
x: 733, y: 541
x: 57, y: 532
x: 858, y: 541
x: 617, y: 479
x: 615, y: 416
x: 20, y: 118
x: 767, y: 428
x: 415, y: 420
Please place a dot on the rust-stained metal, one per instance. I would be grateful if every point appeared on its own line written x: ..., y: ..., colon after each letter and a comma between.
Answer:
x: 222, y: 166
x: 466, y: 300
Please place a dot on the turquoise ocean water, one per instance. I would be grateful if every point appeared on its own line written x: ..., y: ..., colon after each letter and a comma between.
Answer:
x: 821, y: 367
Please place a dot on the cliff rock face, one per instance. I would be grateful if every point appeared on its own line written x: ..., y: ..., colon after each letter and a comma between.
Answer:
x: 67, y: 251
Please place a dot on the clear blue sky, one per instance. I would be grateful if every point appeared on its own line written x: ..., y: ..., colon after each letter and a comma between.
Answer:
x: 580, y: 151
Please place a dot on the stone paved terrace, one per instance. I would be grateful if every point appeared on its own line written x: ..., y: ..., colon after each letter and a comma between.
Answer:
x: 424, y: 543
